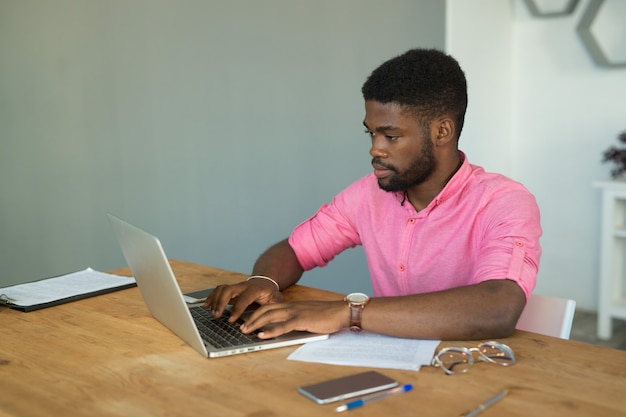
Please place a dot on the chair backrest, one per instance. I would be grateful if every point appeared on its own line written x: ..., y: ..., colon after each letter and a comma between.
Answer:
x: 548, y: 315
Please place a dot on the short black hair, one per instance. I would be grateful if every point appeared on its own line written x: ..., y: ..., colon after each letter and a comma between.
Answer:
x: 428, y: 82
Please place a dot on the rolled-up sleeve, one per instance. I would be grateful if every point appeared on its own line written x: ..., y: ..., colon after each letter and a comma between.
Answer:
x: 510, y: 248
x: 330, y: 231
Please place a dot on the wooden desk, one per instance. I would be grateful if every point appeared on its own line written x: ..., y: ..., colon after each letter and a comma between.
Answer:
x: 106, y: 356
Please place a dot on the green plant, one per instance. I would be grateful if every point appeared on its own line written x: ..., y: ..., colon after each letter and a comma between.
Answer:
x: 617, y: 156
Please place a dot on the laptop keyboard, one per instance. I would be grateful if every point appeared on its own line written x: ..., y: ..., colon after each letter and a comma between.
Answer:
x: 219, y: 332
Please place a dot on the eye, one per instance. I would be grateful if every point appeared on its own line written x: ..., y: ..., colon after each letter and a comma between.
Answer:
x: 390, y: 138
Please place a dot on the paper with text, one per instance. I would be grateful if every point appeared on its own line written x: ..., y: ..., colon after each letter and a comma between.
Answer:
x: 65, y: 286
x: 369, y: 350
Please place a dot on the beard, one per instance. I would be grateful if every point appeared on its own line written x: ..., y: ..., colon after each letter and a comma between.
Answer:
x: 419, y: 170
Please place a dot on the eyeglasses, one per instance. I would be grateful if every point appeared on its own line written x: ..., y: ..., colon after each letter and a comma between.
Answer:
x: 457, y: 360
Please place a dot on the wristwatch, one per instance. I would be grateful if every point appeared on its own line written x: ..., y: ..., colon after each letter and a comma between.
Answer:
x: 356, y: 302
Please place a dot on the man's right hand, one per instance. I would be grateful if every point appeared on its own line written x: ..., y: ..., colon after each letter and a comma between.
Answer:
x: 242, y: 295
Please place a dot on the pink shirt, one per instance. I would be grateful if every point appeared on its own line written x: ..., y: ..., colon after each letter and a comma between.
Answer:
x: 481, y: 226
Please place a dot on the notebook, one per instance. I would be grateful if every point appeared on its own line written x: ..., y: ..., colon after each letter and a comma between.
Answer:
x: 156, y: 281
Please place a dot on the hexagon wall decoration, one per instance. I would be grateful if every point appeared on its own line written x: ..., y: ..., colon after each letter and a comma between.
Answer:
x: 593, y: 42
x: 539, y: 8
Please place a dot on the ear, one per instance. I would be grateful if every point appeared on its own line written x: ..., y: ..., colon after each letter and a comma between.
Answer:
x: 444, y: 131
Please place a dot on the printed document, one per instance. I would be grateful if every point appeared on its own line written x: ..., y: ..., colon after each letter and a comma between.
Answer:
x: 368, y: 349
x: 65, y: 288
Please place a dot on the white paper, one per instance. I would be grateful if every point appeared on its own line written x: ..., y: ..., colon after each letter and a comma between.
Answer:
x: 368, y: 349
x: 58, y: 288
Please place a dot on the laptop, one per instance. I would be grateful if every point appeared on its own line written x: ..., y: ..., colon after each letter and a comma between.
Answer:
x: 211, y: 337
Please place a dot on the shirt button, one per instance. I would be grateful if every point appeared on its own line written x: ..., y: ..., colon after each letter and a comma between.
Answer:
x: 411, y: 221
x: 401, y: 267
x: 519, y: 243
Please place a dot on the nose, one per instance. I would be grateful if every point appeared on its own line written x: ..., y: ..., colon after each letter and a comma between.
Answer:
x: 377, y: 150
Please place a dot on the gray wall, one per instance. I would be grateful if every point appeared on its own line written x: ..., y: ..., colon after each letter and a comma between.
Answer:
x: 217, y: 125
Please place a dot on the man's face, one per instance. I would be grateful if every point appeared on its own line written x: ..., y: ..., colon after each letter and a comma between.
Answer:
x: 402, y: 150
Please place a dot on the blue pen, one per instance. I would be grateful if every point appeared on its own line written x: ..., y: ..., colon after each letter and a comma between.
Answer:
x: 373, y: 397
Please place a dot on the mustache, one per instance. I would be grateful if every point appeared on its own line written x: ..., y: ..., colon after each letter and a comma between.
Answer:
x: 378, y: 163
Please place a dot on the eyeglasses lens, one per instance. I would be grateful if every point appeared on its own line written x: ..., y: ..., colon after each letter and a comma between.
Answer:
x: 498, y: 354
x: 456, y: 361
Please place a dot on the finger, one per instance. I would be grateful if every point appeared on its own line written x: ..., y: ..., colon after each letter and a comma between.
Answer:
x: 220, y: 298
x: 257, y: 291
x: 243, y: 301
x: 270, y: 314
x: 245, y: 294
x: 277, y: 329
x: 317, y: 317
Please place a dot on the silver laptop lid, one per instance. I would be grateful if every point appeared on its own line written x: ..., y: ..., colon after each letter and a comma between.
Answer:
x: 149, y: 265
x: 156, y: 281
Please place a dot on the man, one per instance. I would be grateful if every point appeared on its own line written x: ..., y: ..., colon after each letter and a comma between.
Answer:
x: 453, y: 251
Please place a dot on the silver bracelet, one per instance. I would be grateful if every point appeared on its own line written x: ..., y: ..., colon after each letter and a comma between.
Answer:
x: 264, y: 277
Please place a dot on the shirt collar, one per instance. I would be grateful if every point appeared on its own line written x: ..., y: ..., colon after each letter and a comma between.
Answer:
x: 455, y: 184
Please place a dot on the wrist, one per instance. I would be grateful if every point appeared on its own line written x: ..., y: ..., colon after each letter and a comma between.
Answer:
x: 356, y: 304
x: 265, y: 278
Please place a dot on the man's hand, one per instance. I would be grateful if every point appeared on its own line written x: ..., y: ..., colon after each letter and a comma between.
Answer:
x: 244, y: 294
x: 312, y: 316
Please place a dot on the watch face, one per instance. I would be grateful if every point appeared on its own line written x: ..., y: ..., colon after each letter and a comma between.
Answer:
x: 357, y: 297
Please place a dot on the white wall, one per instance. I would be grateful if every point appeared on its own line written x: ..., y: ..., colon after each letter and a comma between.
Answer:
x: 217, y: 125
x: 565, y: 112
x: 479, y: 36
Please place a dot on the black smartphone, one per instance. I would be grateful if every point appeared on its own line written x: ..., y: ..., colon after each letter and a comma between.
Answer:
x: 347, y: 387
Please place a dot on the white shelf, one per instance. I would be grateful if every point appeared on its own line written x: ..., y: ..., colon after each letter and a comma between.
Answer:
x: 612, y: 285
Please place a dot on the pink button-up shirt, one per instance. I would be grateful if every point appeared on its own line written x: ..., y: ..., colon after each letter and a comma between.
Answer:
x: 481, y: 226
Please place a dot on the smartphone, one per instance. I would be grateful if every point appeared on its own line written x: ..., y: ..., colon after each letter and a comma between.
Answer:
x: 347, y: 387
x: 197, y: 296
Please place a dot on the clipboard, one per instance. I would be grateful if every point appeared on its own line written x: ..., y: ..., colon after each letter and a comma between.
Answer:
x: 62, y: 289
